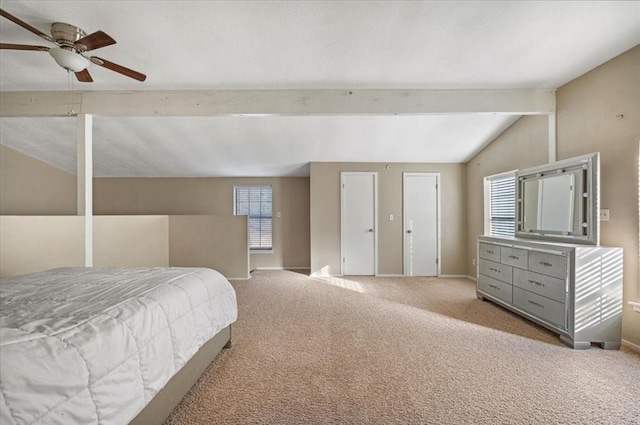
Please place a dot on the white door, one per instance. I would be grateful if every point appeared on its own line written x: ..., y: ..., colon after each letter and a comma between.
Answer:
x: 359, y: 223
x: 420, y: 224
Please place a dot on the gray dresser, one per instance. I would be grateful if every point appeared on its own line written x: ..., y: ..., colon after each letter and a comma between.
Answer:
x: 573, y: 290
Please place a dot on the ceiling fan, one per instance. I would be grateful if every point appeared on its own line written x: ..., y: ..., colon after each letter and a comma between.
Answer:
x: 72, y: 43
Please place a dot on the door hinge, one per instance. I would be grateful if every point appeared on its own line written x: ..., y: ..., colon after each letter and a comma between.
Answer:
x: 343, y: 185
x: 437, y: 260
x: 343, y: 259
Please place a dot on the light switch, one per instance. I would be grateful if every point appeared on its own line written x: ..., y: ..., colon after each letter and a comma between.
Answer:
x: 278, y: 214
x: 604, y: 214
x: 390, y: 217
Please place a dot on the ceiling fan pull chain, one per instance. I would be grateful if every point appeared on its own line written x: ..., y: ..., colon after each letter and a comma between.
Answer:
x: 68, y: 93
x: 70, y: 111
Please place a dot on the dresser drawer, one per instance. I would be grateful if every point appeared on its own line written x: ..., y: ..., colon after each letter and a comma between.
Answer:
x: 544, y: 308
x: 489, y: 252
x: 540, y: 284
x: 514, y: 257
x: 500, y: 290
x: 496, y: 270
x: 549, y: 264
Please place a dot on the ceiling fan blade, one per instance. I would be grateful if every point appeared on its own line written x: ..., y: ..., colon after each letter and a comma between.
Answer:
x: 94, y: 41
x: 7, y: 46
x: 118, y: 68
x: 26, y: 26
x: 84, y: 76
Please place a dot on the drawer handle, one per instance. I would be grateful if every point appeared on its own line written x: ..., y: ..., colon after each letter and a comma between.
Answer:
x: 535, y: 303
x: 494, y: 287
x: 544, y: 263
x: 535, y: 282
x: 489, y: 252
x: 494, y: 270
x: 515, y: 257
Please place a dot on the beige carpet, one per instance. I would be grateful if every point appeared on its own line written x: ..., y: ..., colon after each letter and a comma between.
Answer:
x: 400, y: 351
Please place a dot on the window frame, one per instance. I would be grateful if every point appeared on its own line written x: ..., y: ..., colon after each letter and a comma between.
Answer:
x: 487, y: 201
x: 248, y: 186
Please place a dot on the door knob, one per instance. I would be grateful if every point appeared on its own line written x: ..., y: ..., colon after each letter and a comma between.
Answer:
x: 370, y: 230
x: 409, y: 231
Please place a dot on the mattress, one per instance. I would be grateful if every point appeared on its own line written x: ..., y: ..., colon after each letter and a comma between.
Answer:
x: 94, y: 345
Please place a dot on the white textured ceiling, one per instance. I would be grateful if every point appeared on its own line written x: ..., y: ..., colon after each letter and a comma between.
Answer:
x: 272, y: 146
x: 282, y: 45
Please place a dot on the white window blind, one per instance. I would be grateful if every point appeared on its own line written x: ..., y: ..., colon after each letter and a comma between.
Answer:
x: 502, y: 205
x: 257, y: 203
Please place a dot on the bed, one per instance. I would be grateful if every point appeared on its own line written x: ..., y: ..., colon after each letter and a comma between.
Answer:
x: 99, y: 345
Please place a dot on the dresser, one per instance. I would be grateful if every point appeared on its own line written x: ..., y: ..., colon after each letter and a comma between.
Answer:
x: 573, y: 290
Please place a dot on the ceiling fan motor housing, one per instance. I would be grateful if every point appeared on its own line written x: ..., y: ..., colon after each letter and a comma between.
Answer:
x: 65, y: 34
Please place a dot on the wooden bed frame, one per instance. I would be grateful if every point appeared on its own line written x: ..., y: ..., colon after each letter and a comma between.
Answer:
x: 161, y: 406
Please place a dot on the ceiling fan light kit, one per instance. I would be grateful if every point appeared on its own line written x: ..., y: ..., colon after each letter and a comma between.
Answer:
x: 69, y: 60
x: 72, y: 42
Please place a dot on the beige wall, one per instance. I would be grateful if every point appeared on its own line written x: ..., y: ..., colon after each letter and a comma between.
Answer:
x: 31, y: 187
x: 214, y: 196
x: 221, y: 243
x: 587, y: 121
x: 131, y: 241
x: 522, y: 145
x: 325, y: 215
x: 35, y: 243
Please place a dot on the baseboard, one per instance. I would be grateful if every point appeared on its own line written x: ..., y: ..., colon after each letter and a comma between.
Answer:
x: 442, y: 275
x: 339, y: 275
x: 239, y: 278
x: 631, y: 345
x: 283, y: 268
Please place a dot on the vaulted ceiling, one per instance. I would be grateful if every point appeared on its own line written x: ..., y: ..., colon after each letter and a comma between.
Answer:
x: 194, y: 45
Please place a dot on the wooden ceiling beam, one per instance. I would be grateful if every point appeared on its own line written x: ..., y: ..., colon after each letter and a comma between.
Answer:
x: 277, y: 102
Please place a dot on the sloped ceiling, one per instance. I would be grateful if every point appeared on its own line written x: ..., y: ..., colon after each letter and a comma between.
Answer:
x: 189, y: 45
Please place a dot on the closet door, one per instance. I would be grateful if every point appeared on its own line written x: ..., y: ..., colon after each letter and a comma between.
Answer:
x: 359, y: 240
x: 420, y: 224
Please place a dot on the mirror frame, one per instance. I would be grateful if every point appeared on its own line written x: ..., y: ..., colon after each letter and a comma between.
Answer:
x: 589, y: 208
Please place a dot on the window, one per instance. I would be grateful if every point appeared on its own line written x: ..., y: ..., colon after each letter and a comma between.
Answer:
x: 257, y: 203
x: 500, y: 204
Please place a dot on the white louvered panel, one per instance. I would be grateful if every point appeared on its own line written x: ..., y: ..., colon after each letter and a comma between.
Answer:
x: 257, y: 203
x: 503, y: 206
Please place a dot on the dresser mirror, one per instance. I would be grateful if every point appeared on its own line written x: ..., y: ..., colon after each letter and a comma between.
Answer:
x: 559, y: 201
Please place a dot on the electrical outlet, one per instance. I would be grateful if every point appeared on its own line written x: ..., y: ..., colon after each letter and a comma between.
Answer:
x: 473, y: 261
x: 390, y: 217
x: 604, y: 214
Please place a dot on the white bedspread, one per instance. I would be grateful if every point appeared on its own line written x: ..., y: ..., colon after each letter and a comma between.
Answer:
x: 93, y: 346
